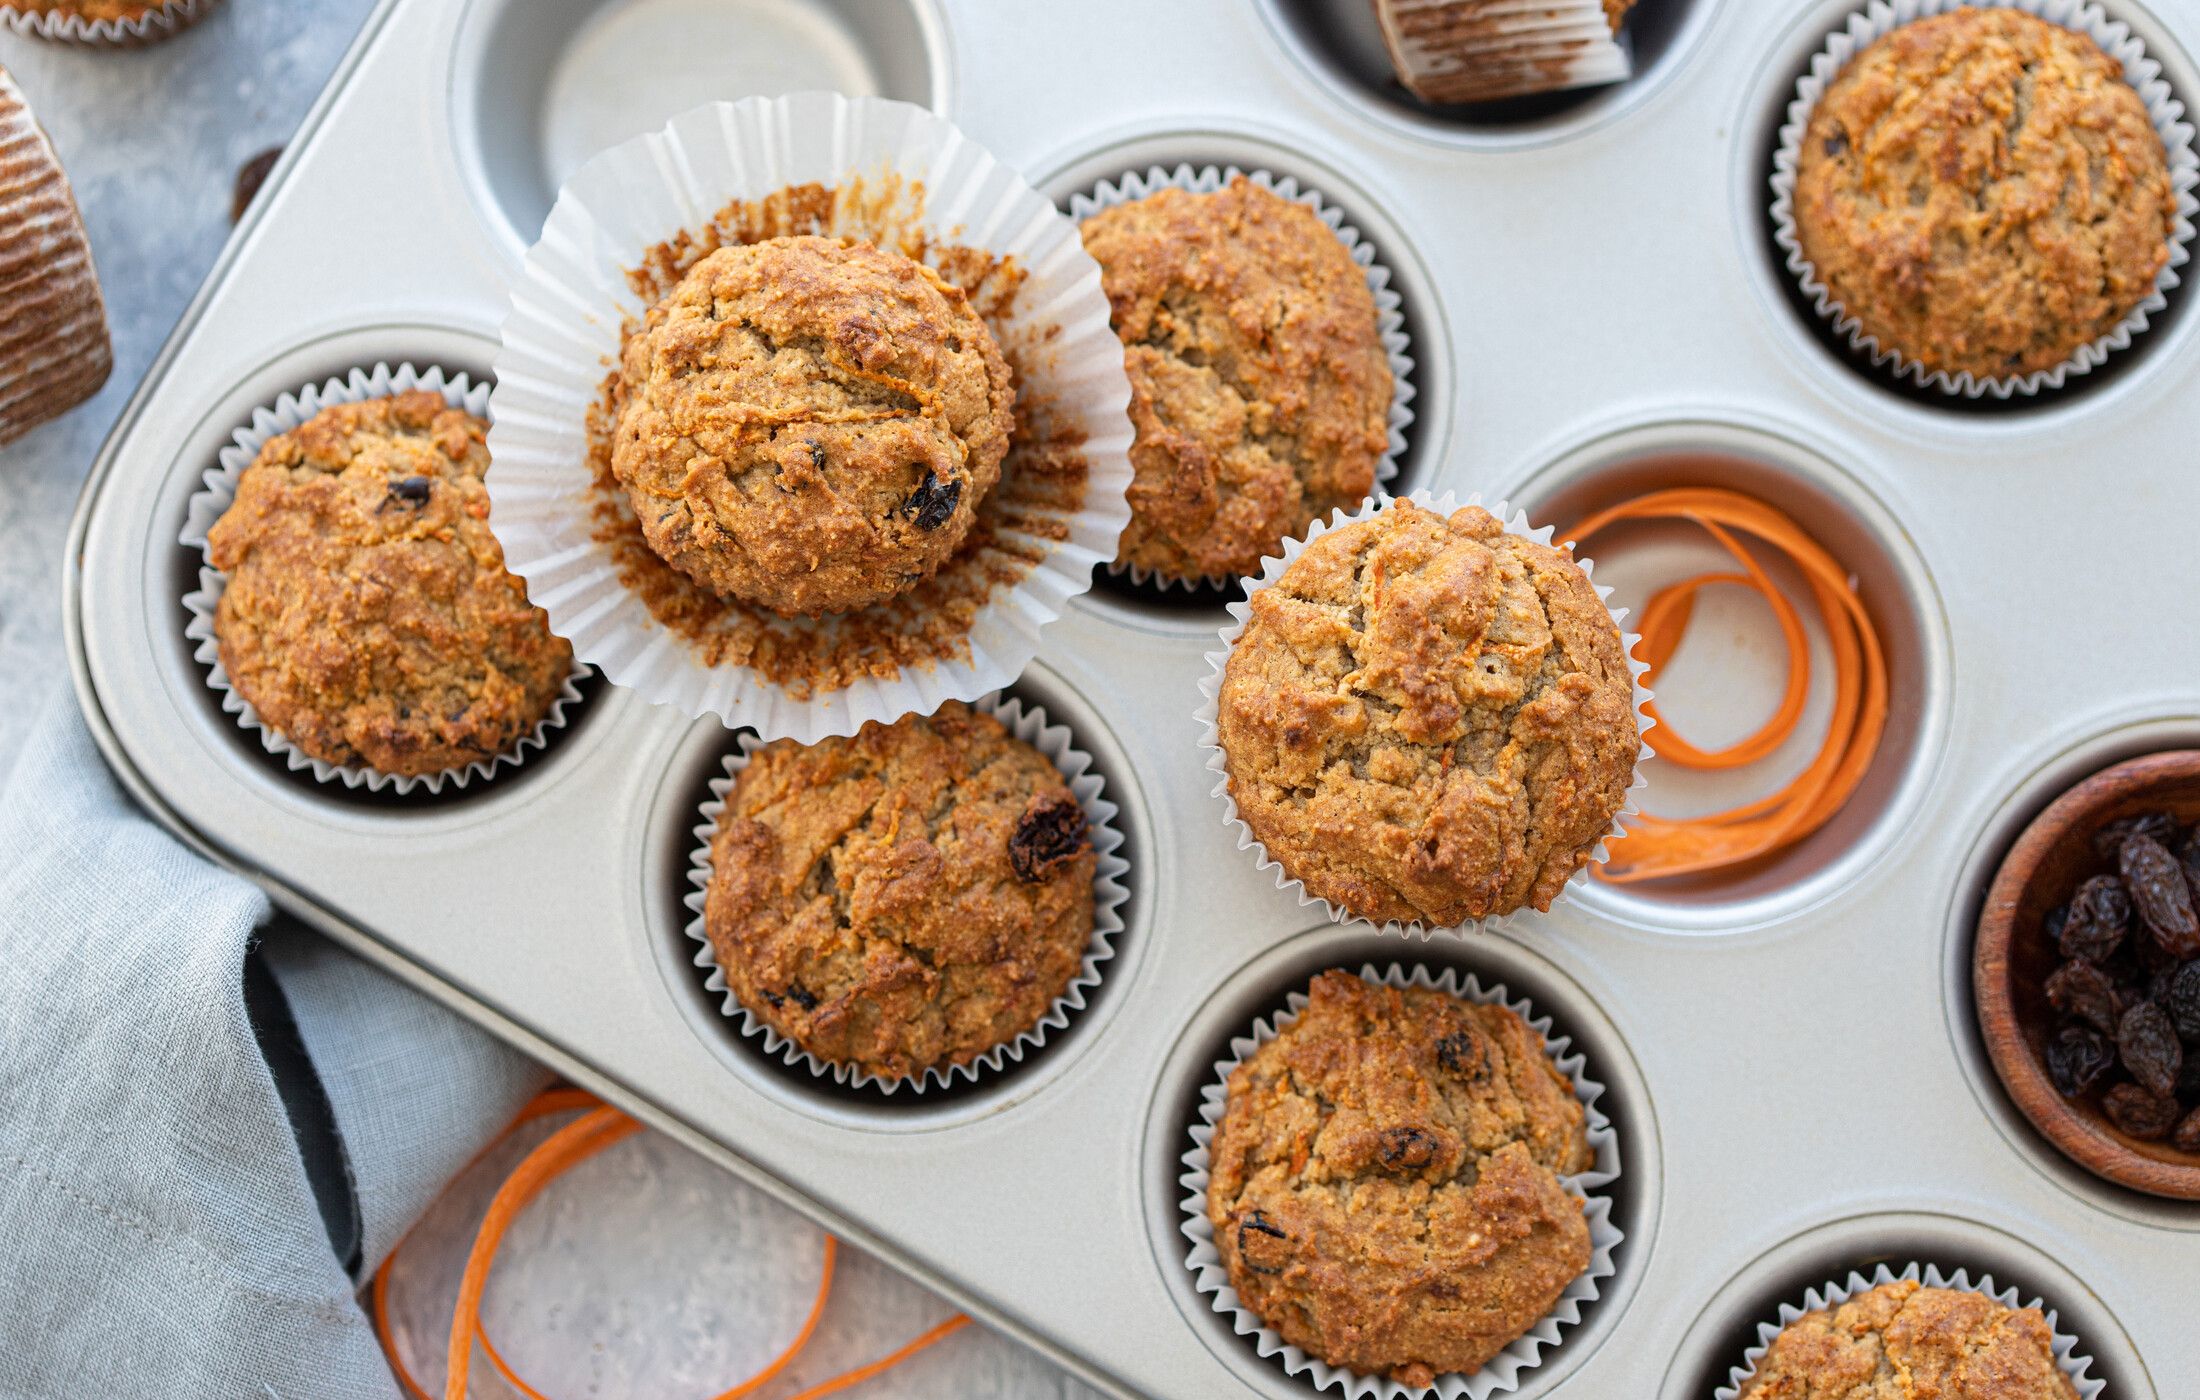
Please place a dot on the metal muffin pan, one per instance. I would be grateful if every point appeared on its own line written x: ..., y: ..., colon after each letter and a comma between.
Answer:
x: 1792, y: 1058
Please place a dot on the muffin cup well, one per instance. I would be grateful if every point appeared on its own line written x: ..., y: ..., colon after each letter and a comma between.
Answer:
x: 1503, y: 1372
x: 1390, y: 321
x: 1029, y: 723
x: 2144, y: 74
x: 161, y: 22
x: 2074, y: 1363
x: 564, y: 330
x: 1544, y: 46
x: 1210, y: 689
x: 207, y: 505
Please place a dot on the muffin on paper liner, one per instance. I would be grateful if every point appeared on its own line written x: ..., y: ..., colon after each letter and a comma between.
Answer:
x: 1502, y: 1373
x: 1210, y: 689
x: 2074, y: 1363
x: 1390, y: 321
x: 54, y: 349
x: 288, y: 412
x: 162, y: 20
x: 1881, y: 17
x: 1029, y: 723
x: 564, y: 332
x: 1453, y: 51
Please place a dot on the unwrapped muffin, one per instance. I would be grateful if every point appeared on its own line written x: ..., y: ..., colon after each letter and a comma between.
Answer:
x: 1260, y: 389
x: 54, y: 350
x: 1427, y: 718
x: 1384, y: 1183
x: 905, y: 900
x: 1904, y: 1341
x: 367, y: 615
x: 1984, y: 193
x: 809, y: 425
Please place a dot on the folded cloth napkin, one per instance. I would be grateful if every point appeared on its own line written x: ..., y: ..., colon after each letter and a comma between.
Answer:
x: 160, y: 1234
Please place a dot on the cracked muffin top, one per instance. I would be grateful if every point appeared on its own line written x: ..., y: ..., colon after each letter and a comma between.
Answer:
x: 368, y: 616
x: 1903, y: 1341
x: 1984, y: 193
x: 1428, y: 718
x: 1260, y: 392
x: 904, y: 900
x: 1385, y: 1187
x: 809, y: 425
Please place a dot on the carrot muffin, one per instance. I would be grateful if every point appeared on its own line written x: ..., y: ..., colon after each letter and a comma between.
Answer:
x: 1428, y: 718
x: 1451, y: 51
x: 1384, y: 1186
x: 368, y: 616
x: 1260, y: 391
x: 905, y: 900
x: 810, y: 425
x: 1902, y: 1341
x: 1984, y: 193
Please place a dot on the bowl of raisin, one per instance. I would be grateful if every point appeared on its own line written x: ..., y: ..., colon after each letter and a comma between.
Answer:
x: 2086, y: 973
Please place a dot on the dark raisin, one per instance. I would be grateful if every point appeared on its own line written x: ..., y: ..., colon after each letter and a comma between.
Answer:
x: 412, y: 490
x: 801, y: 996
x: 2110, y: 839
x: 1049, y: 835
x: 2137, y: 1113
x: 1462, y: 1052
x: 250, y: 176
x: 1837, y: 143
x: 2185, y: 1137
x: 817, y: 453
x: 2100, y: 912
x: 933, y: 502
x: 1406, y: 1149
x: 2188, y: 855
x: 774, y: 999
x: 2077, y: 1058
x: 2184, y: 1001
x: 1254, y: 1231
x: 2080, y: 989
x: 2156, y: 881
x: 2148, y: 1044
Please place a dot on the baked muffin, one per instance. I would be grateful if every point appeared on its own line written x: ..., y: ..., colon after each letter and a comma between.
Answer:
x: 809, y: 425
x: 1452, y: 51
x: 905, y: 900
x: 1428, y: 718
x: 368, y: 616
x: 89, y: 9
x: 54, y: 350
x: 1984, y: 193
x: 1384, y: 1186
x: 1902, y: 1341
x: 1260, y: 391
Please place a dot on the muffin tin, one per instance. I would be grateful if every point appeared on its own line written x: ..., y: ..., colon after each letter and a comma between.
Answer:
x: 1791, y: 1057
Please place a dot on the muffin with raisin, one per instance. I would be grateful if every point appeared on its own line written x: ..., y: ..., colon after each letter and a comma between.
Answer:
x: 1904, y: 1341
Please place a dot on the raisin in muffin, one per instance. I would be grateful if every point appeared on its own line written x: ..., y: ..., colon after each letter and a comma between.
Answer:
x: 1984, y: 193
x: 1260, y: 391
x: 1428, y: 718
x: 905, y: 900
x: 368, y: 616
x: 1384, y: 1186
x: 809, y: 425
x: 1903, y: 1341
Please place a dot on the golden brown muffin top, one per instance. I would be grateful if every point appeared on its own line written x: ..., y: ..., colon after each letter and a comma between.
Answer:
x: 1902, y: 1341
x: 1984, y: 193
x: 1429, y: 718
x: 368, y: 615
x: 1385, y: 1185
x: 1260, y: 391
x: 809, y: 425
x: 904, y: 900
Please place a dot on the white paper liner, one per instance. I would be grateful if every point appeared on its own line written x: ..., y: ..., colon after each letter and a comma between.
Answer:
x: 1029, y: 723
x: 562, y: 336
x: 161, y: 22
x: 2074, y: 1363
x: 207, y: 505
x: 1502, y: 1372
x: 1210, y: 689
x: 1880, y: 17
x: 1390, y: 320
x: 1518, y: 47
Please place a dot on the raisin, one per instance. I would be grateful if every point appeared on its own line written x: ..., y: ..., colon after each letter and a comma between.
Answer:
x: 1406, y: 1149
x: 2077, y: 1058
x: 250, y: 176
x: 2137, y: 1113
x: 2158, y: 888
x: 2100, y: 912
x: 2185, y: 1137
x: 1050, y: 834
x: 1837, y: 143
x: 817, y: 453
x: 1463, y: 1052
x: 2184, y: 1001
x: 933, y: 502
x: 412, y: 490
x: 2080, y: 989
x: 1257, y: 1223
x: 2110, y: 839
x: 2148, y: 1044
x: 802, y: 997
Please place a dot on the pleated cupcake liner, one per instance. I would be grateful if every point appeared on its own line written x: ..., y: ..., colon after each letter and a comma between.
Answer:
x: 163, y: 21
x: 1390, y: 320
x: 1029, y: 723
x: 1217, y: 762
x: 54, y: 347
x: 207, y: 505
x: 1486, y: 50
x: 1504, y: 1371
x: 1880, y: 18
x: 563, y: 332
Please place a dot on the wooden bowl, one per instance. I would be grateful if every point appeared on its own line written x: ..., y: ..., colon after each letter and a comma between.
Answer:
x: 2012, y: 959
